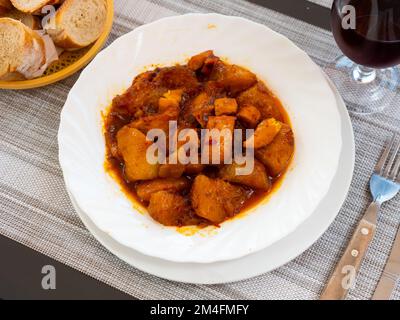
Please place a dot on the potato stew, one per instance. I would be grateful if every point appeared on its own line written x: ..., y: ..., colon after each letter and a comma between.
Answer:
x: 206, y: 93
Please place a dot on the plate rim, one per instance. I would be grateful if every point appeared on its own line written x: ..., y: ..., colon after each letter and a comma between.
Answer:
x: 207, y: 279
x: 71, y: 69
x: 300, y: 51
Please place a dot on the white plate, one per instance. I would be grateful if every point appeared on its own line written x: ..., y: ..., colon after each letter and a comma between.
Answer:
x: 263, y: 261
x: 287, y: 70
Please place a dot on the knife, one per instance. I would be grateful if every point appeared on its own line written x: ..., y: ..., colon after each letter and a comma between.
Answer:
x: 391, y: 273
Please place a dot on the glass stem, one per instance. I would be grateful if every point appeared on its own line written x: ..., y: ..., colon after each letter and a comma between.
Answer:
x: 363, y: 74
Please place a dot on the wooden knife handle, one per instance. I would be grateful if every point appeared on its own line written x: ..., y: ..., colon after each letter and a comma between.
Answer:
x: 345, y: 273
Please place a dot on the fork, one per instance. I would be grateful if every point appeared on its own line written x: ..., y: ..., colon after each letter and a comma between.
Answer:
x: 384, y: 185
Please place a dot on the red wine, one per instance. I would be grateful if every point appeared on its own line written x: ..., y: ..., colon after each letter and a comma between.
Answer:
x: 375, y: 42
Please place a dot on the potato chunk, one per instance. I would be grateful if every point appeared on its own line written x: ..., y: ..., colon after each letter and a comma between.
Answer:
x: 170, y: 100
x: 167, y: 208
x: 249, y: 116
x: 277, y: 154
x: 201, y: 108
x: 264, y: 134
x: 132, y: 146
x: 221, y: 123
x: 171, y: 170
x: 234, y: 78
x: 225, y: 106
x: 201, y: 115
x: 261, y: 98
x: 145, y: 189
x: 197, y: 61
x: 258, y: 179
x: 215, y: 199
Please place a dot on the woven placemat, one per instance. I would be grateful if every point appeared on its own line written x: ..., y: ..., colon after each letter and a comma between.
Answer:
x: 36, y: 211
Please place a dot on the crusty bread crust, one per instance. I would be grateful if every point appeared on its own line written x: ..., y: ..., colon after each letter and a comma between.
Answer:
x: 27, y: 19
x: 60, y: 35
x: 23, y: 5
x: 29, y: 52
x: 10, y: 60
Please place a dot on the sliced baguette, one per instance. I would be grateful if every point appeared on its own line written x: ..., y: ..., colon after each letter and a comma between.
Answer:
x: 33, y: 6
x: 78, y: 23
x: 22, y: 50
x: 5, y: 5
x: 27, y: 19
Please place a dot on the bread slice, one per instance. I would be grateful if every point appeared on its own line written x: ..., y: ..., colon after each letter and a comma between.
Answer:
x: 33, y: 6
x: 5, y: 5
x: 78, y: 23
x: 22, y: 50
x: 27, y: 19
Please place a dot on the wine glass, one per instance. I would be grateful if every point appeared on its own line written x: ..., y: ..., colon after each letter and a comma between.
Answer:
x: 368, y: 33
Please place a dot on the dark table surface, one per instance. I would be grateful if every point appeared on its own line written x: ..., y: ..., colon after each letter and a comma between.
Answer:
x: 21, y: 268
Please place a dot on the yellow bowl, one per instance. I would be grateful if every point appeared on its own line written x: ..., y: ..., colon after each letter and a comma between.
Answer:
x: 69, y: 62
